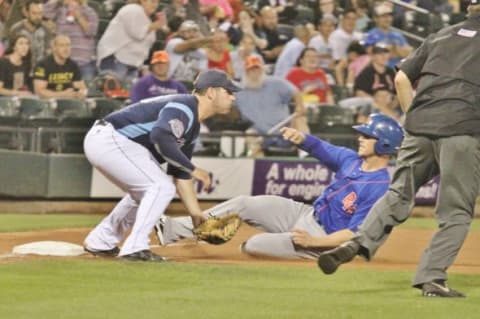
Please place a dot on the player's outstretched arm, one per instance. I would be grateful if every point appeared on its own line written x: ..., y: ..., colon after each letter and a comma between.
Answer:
x: 292, y: 135
x: 304, y: 239
x: 189, y: 198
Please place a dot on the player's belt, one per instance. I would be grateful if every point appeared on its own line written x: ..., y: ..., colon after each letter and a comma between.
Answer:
x: 101, y: 122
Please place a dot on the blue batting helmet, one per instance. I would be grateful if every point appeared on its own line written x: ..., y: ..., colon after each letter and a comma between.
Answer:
x: 387, y: 131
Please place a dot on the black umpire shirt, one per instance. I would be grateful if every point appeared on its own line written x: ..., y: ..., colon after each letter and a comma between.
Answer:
x: 447, y: 68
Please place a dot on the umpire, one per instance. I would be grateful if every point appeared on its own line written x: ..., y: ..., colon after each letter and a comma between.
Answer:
x: 443, y: 126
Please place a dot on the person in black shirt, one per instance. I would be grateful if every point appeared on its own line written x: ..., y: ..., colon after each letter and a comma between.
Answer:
x: 57, y: 76
x: 376, y: 80
x: 15, y: 68
x: 443, y: 138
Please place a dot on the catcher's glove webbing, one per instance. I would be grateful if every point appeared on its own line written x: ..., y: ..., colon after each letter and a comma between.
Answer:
x: 218, y: 230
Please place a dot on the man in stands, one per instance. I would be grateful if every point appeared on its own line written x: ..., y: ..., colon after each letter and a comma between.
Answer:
x: 157, y: 83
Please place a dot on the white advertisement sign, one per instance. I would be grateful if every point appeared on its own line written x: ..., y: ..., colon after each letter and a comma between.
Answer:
x: 230, y: 177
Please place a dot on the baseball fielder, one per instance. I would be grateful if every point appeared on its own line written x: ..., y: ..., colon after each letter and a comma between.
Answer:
x: 128, y: 147
x: 297, y: 230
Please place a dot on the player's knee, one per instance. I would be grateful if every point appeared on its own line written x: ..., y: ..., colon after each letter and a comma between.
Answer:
x: 252, y: 246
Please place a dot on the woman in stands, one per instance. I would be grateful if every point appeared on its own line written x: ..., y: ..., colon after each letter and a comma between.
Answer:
x: 218, y: 54
x: 15, y: 77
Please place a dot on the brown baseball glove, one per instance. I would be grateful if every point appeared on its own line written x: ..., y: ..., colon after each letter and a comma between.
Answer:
x: 218, y: 230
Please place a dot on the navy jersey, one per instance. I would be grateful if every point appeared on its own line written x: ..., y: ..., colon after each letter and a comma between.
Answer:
x: 166, y: 125
x: 348, y: 198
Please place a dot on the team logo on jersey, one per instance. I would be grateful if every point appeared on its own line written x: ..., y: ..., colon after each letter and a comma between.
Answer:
x: 177, y: 127
x: 349, y: 205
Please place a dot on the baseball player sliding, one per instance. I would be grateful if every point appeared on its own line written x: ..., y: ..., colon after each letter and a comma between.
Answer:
x: 297, y: 230
x: 128, y: 147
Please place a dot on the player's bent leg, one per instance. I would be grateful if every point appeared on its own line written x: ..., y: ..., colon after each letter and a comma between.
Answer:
x: 152, y: 206
x: 273, y: 214
x: 111, y: 230
x: 277, y: 245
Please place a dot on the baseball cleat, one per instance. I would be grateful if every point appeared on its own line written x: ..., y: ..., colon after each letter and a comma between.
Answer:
x: 159, y: 230
x: 144, y: 255
x: 330, y: 260
x: 439, y: 289
x: 103, y: 253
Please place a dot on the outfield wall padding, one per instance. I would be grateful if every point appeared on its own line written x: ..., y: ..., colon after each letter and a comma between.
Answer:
x: 34, y: 175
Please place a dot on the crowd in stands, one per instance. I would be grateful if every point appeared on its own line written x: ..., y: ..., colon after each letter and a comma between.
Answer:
x: 289, y: 56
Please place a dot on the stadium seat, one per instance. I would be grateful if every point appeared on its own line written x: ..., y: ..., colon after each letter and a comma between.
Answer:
x: 304, y: 15
x: 285, y: 29
x: 101, y: 107
x: 72, y: 112
x: 9, y: 110
x: 102, y: 26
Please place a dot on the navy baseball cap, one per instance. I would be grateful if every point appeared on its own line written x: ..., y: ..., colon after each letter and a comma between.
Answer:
x: 214, y: 79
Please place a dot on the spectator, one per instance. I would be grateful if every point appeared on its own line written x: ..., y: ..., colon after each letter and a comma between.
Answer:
x: 275, y: 40
x: 321, y: 41
x: 265, y: 102
x: 187, y: 56
x: 348, y: 69
x: 15, y: 68
x: 344, y: 35
x: 128, y: 38
x: 383, y: 33
x: 377, y: 81
x: 239, y: 56
x: 40, y: 33
x: 58, y: 76
x: 187, y: 10
x: 310, y: 79
x: 4, y: 9
x: 157, y: 83
x: 362, y: 8
x: 323, y: 7
x: 12, y: 16
x: 78, y: 21
x: 292, y: 50
x: 246, y: 25
x: 285, y: 8
x: 220, y: 9
x: 218, y: 54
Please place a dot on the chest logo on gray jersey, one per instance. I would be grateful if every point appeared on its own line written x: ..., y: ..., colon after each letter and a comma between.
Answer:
x: 177, y: 127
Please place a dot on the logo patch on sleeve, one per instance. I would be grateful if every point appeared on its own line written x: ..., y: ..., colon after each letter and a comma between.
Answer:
x: 177, y: 127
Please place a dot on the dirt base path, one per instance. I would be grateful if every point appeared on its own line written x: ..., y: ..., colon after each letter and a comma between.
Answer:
x: 400, y: 252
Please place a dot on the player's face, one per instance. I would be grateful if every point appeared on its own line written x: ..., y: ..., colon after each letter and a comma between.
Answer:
x: 366, y: 146
x: 223, y: 101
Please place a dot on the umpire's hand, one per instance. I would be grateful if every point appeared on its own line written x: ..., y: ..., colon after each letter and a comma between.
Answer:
x: 292, y: 135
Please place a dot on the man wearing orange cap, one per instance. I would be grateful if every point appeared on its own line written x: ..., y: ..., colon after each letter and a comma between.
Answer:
x: 265, y: 102
x: 157, y: 83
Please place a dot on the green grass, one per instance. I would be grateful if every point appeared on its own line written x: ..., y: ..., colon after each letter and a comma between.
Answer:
x: 113, y: 289
x: 27, y: 222
x: 430, y: 223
